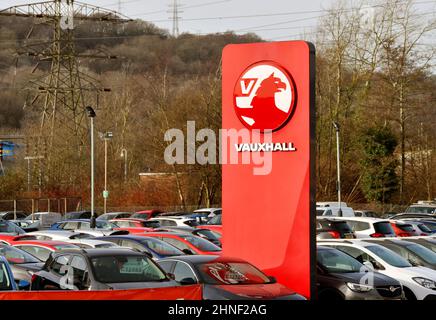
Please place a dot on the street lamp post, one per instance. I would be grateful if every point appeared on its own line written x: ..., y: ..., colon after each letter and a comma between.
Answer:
x: 106, y: 137
x: 338, y: 163
x: 29, y: 175
x: 124, y: 154
x: 91, y: 115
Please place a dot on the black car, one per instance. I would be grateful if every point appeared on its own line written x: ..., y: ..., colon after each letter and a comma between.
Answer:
x: 156, y: 248
x: 23, y: 265
x: 202, y: 233
x: 328, y: 228
x: 226, y: 278
x: 416, y: 254
x: 341, y: 277
x: 77, y: 215
x: 10, y: 215
x: 100, y: 269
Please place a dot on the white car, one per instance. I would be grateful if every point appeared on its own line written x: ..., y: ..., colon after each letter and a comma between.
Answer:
x: 418, y: 282
x: 174, y: 221
x: 209, y: 212
x: 333, y: 211
x: 92, y: 243
x: 58, y: 235
x: 365, y: 227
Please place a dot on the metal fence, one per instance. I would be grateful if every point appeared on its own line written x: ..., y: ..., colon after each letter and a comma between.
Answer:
x: 60, y: 205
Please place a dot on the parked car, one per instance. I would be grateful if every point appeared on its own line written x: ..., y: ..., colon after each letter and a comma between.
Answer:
x: 225, y: 278
x: 172, y: 221
x: 43, y: 220
x: 420, y: 228
x: 156, y: 248
x: 23, y: 265
x: 416, y: 254
x: 429, y: 223
x: 330, y: 228
x: 209, y: 212
x: 403, y: 229
x: 82, y: 224
x: 369, y: 227
x: 340, y: 278
x: 135, y: 223
x: 41, y: 249
x: 77, y: 215
x: 418, y: 282
x: 59, y: 235
x: 401, y: 216
x: 113, y: 215
x: 187, y: 243
x: 10, y: 238
x: 100, y: 269
x: 8, y: 227
x: 146, y: 214
x: 365, y: 213
x: 202, y: 233
x: 422, y: 207
x: 7, y: 282
x: 11, y: 215
x: 334, y: 211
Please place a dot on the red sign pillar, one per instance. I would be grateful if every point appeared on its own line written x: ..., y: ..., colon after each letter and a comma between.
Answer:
x: 269, y: 207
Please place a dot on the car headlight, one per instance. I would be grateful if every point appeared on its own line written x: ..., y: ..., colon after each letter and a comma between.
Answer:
x: 426, y: 283
x: 359, y: 287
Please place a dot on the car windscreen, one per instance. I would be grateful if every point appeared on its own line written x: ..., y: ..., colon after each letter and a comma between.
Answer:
x: 231, y: 273
x: 162, y: 248
x: 105, y: 225
x: 421, y: 210
x: 383, y: 228
x: 336, y: 261
x: 5, y: 281
x: 200, y: 243
x: 431, y: 225
x: 191, y: 223
x: 123, y: 269
x: 215, y: 220
x: 17, y: 256
x: 341, y: 226
x: 151, y: 224
x: 424, y: 228
x: 424, y: 253
x: 9, y: 227
x: 206, y: 234
x: 389, y: 256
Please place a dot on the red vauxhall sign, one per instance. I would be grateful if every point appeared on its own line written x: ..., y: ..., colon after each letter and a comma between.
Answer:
x: 269, y: 217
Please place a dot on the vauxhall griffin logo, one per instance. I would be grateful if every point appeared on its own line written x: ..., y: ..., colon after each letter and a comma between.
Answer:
x: 264, y: 96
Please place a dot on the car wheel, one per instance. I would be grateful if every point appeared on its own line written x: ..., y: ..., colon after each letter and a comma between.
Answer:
x: 409, y: 294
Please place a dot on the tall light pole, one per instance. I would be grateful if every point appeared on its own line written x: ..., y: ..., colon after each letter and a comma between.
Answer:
x: 106, y: 137
x: 91, y: 115
x: 124, y: 154
x: 338, y: 163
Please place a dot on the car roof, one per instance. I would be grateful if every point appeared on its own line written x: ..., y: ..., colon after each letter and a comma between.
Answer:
x: 122, y: 236
x: 362, y: 219
x: 181, y: 218
x: 42, y: 242
x: 96, y: 252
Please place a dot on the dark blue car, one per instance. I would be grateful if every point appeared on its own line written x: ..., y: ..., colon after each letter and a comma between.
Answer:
x: 7, y: 282
x: 158, y: 249
x: 77, y: 224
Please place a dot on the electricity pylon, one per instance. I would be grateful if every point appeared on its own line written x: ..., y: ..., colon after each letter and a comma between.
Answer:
x: 60, y: 91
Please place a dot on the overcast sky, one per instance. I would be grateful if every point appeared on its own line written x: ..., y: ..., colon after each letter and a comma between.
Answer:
x: 270, y: 19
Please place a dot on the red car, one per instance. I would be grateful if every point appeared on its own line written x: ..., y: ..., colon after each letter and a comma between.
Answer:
x: 188, y: 243
x: 403, y: 229
x: 41, y: 249
x: 11, y: 238
x: 147, y: 214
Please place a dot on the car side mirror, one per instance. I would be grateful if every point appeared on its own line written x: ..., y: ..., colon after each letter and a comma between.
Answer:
x: 187, y: 281
x: 23, y: 285
x: 187, y: 251
x: 272, y: 279
x: 414, y: 262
